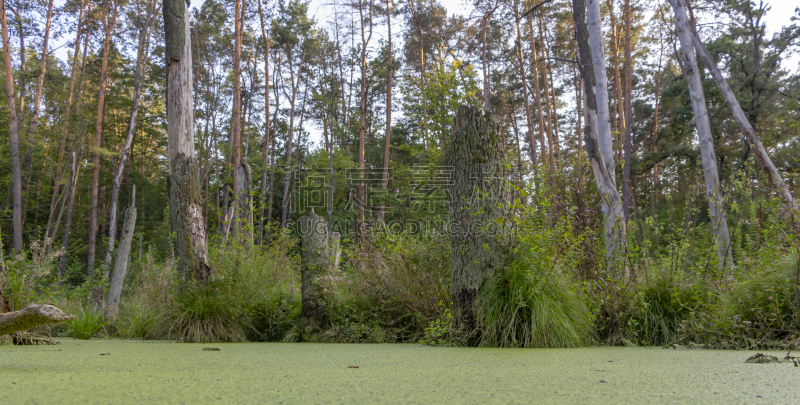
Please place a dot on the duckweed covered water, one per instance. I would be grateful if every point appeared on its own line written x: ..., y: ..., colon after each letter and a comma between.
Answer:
x: 298, y: 373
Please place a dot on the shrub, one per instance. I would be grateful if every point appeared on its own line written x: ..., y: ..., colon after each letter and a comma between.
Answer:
x: 252, y: 295
x: 396, y: 283
x: 85, y: 325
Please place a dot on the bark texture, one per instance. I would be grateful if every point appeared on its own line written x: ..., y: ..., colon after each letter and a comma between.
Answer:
x: 32, y: 316
x: 595, y: 32
x: 320, y: 257
x: 121, y: 264
x: 611, y: 203
x: 716, y: 206
x: 476, y: 202
x: 183, y: 182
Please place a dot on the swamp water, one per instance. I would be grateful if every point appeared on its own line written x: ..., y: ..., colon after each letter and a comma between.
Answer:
x: 135, y: 371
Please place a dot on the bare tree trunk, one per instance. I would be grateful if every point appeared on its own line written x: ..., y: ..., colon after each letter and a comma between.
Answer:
x: 475, y: 149
x: 548, y: 125
x: 320, y: 257
x: 716, y: 206
x: 141, y: 62
x: 32, y: 316
x: 629, y: 199
x: 185, y: 199
x: 72, y: 185
x: 537, y: 94
x: 618, y: 124
x: 595, y: 33
x: 236, y: 119
x: 363, y: 113
x: 265, y: 150
x: 98, y: 136
x: 524, y: 76
x: 614, y: 225
x: 388, y: 137
x: 747, y: 129
x: 13, y: 132
x: 121, y: 264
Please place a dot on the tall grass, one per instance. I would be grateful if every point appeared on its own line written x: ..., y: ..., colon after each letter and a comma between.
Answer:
x: 526, y: 306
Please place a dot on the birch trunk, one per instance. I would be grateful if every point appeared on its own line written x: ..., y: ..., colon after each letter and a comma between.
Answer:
x: 716, y: 206
x: 121, y: 264
x: 747, y: 129
x: 595, y: 32
x: 185, y: 200
x: 613, y: 222
x: 13, y: 133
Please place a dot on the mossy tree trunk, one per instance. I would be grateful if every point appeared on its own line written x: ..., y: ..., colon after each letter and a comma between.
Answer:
x: 30, y: 317
x: 185, y: 200
x: 320, y: 257
x: 476, y: 202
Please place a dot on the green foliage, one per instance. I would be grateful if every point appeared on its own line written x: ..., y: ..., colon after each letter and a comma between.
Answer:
x: 768, y: 300
x: 252, y: 296
x: 395, y: 286
x: 85, y: 325
x: 528, y: 305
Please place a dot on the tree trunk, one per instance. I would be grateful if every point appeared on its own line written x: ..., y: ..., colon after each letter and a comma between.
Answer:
x: 475, y: 154
x: 236, y: 139
x: 537, y: 94
x: 524, y: 76
x: 388, y: 138
x: 183, y: 185
x: 595, y: 33
x: 13, y: 133
x: 320, y: 258
x: 716, y: 206
x: 98, y: 136
x: 265, y: 150
x: 121, y: 264
x: 72, y: 186
x: 611, y: 204
x: 747, y: 129
x: 615, y: 39
x: 362, y: 126
x: 548, y: 125
x: 32, y: 316
x: 629, y: 199
x: 141, y: 62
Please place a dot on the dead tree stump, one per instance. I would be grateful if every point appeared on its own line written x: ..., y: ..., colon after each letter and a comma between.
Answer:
x: 477, y: 198
x: 320, y: 258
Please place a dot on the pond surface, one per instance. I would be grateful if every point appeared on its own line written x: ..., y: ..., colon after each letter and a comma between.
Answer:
x: 138, y: 371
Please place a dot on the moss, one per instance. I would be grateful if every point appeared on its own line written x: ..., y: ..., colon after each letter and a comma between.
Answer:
x: 163, y: 372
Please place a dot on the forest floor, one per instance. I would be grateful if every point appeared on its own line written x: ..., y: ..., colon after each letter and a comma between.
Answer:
x: 136, y: 371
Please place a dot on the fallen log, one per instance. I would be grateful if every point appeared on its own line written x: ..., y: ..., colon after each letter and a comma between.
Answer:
x: 32, y: 316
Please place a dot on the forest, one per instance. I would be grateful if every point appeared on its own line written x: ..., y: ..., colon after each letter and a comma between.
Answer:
x: 499, y: 173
